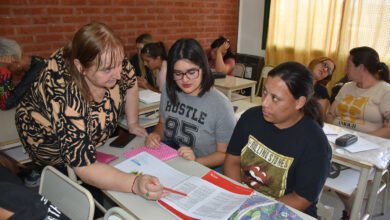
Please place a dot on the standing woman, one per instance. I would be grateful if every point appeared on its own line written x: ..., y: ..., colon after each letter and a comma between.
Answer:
x: 364, y: 103
x: 154, y: 56
x: 322, y: 69
x: 74, y: 107
x: 279, y: 148
x: 220, y: 56
x: 194, y: 116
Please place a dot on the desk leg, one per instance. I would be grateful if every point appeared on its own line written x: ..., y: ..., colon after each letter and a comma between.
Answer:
x: 229, y: 94
x: 361, y: 189
x: 374, y: 191
x: 253, y: 93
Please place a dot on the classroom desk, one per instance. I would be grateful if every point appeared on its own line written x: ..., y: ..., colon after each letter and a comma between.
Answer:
x: 8, y: 134
x: 145, y: 209
x: 364, y: 162
x: 230, y: 84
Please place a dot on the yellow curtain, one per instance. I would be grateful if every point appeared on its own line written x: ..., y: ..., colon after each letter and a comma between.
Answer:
x: 301, y: 30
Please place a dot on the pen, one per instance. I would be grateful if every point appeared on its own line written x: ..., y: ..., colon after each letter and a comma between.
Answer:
x: 174, y: 191
x: 330, y: 134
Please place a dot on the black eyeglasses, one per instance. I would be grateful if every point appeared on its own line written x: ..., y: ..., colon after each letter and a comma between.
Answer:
x: 190, y: 74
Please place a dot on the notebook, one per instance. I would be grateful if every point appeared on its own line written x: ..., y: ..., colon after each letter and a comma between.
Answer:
x: 105, y: 158
x: 147, y: 96
x: 164, y: 152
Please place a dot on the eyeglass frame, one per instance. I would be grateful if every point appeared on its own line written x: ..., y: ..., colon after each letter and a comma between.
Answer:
x: 326, y: 65
x: 182, y: 74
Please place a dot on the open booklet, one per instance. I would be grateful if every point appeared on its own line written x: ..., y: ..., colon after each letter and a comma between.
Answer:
x: 209, y: 197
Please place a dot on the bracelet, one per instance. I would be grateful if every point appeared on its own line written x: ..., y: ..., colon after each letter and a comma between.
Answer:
x: 135, y: 178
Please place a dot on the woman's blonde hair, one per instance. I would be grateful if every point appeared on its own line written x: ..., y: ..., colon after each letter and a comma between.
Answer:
x: 88, y: 45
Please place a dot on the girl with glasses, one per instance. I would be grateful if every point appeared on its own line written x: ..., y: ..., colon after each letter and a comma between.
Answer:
x: 322, y: 69
x: 195, y: 118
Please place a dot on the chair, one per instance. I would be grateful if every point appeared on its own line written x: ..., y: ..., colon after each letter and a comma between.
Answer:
x: 71, y: 198
x: 117, y: 213
x: 72, y: 176
x: 239, y: 70
x: 263, y: 76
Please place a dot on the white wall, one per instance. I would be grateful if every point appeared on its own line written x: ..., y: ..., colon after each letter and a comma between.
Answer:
x: 250, y: 27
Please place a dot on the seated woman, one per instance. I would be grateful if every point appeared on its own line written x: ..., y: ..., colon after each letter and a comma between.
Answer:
x: 23, y: 70
x: 364, y: 103
x: 74, y: 107
x: 322, y: 69
x: 145, y: 77
x: 194, y: 116
x: 154, y: 56
x: 279, y: 148
x: 220, y: 56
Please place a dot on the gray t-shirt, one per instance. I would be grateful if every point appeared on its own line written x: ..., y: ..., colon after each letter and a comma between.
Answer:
x: 198, y: 122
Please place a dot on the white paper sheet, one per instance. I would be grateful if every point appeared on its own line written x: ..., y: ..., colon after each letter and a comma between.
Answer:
x: 147, y: 96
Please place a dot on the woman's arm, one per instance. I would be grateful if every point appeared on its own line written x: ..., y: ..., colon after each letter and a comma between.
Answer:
x: 106, y: 177
x: 296, y: 201
x: 331, y: 113
x: 231, y: 167
x: 324, y: 107
x: 385, y: 131
x: 220, y: 65
x: 215, y: 159
x: 131, y: 110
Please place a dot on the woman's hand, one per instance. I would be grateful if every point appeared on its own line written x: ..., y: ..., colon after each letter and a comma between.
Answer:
x: 153, y: 140
x: 187, y: 153
x: 142, y: 83
x: 136, y: 129
x: 148, y: 187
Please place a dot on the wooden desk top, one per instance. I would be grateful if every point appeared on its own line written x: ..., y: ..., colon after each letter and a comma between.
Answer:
x: 366, y: 159
x: 233, y: 83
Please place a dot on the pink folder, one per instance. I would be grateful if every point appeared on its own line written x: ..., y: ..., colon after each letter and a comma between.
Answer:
x: 105, y: 158
x: 164, y: 152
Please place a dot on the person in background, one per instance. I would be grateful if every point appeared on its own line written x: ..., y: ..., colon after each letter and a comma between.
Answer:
x: 220, y: 56
x: 364, y: 103
x: 322, y: 69
x: 190, y: 109
x: 279, y: 148
x: 154, y: 56
x: 145, y: 77
x: 18, y: 72
x: 74, y: 106
x: 18, y: 202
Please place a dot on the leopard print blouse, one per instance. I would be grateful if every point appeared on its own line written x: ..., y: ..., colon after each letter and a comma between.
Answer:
x: 55, y: 123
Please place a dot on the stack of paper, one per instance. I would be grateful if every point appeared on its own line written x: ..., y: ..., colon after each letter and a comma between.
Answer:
x: 147, y: 96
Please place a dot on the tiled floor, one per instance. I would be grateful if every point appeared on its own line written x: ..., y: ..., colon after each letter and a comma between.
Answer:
x: 331, y: 199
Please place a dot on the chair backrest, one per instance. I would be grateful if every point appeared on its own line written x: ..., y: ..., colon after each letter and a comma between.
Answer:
x: 117, y: 213
x: 264, y: 73
x: 239, y: 70
x: 71, y: 198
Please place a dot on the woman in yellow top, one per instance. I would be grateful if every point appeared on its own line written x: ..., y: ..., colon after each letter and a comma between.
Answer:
x: 74, y: 107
